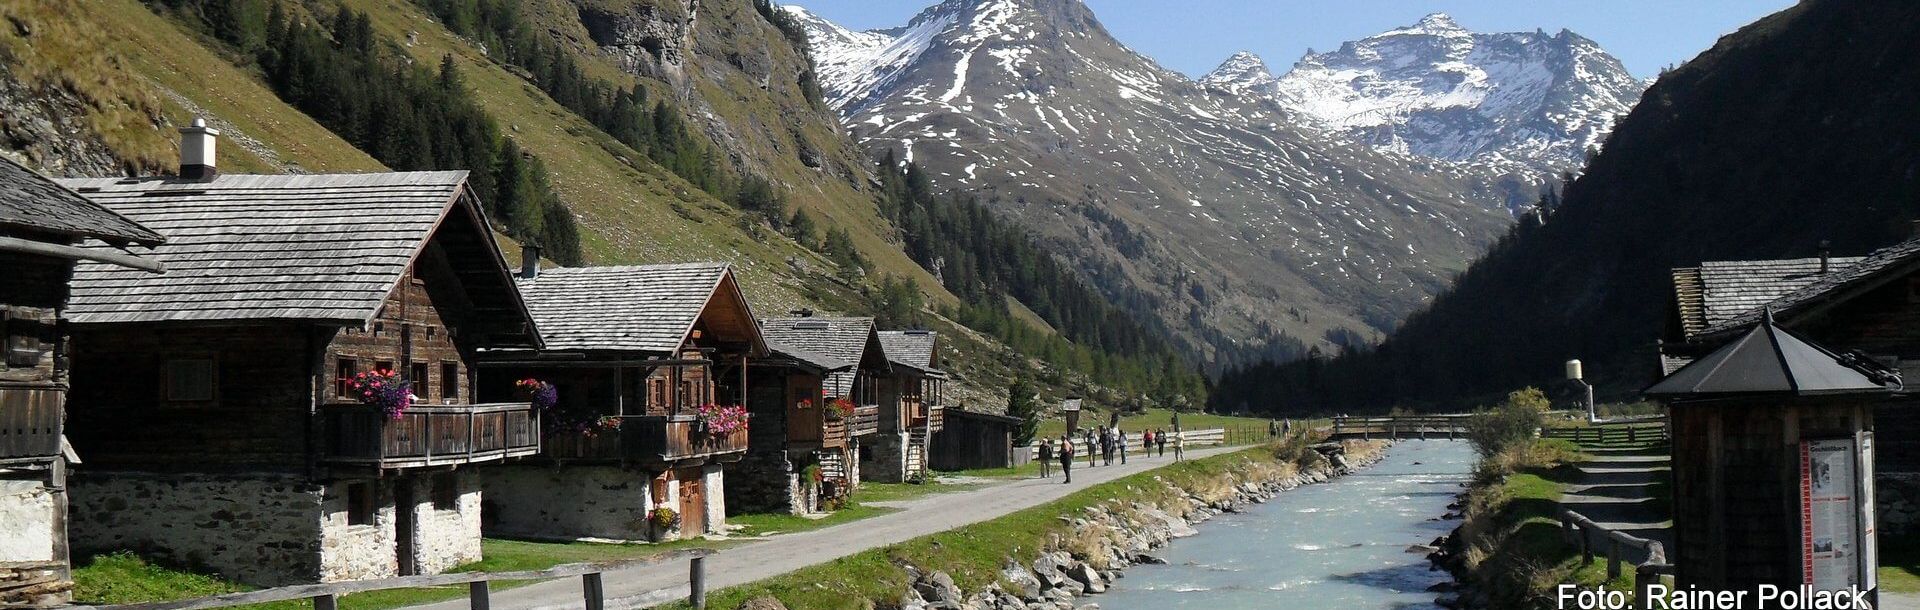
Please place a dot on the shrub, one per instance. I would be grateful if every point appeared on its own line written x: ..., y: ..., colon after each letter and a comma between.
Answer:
x: 1514, y: 421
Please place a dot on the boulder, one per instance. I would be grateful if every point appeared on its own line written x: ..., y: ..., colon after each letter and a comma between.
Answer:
x: 1025, y: 585
x: 1087, y: 577
x: 939, y: 590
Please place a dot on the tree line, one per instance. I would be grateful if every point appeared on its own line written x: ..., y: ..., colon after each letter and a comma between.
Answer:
x: 406, y: 116
x: 986, y: 261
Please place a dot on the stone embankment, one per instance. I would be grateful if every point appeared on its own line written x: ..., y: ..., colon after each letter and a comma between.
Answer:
x: 1108, y: 537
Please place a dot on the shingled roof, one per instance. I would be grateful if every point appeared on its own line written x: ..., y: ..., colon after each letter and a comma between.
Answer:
x: 644, y: 308
x: 1767, y: 360
x: 914, y: 348
x: 1871, y: 272
x: 323, y: 248
x: 34, y: 202
x: 844, y: 339
x: 1718, y: 291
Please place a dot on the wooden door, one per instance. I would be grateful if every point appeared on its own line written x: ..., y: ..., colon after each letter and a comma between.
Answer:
x: 693, y: 503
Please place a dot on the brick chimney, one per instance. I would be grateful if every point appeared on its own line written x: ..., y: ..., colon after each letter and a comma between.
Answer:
x: 529, y: 261
x: 196, y: 151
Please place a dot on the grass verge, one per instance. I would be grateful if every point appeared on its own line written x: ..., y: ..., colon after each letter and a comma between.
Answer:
x: 1900, y: 564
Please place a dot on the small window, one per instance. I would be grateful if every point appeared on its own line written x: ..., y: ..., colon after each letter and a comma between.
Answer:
x: 421, y: 385
x: 360, y: 504
x: 379, y: 328
x: 343, y: 371
x: 383, y: 366
x: 449, y: 379
x: 190, y: 380
x: 446, y: 492
x: 23, y: 346
x: 432, y: 332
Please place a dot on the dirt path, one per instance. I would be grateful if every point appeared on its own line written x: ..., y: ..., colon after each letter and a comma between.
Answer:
x: 650, y: 585
x: 1616, y: 491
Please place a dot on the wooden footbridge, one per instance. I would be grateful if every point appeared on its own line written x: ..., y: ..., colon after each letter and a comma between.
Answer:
x: 1400, y: 427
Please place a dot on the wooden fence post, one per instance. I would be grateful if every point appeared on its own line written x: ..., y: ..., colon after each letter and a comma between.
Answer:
x: 477, y: 596
x: 1644, y: 577
x: 1586, y: 547
x: 326, y: 602
x: 1613, y: 558
x: 697, y: 583
x: 592, y: 589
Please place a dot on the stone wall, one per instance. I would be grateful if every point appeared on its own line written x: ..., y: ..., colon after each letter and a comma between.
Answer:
x: 356, y: 552
x: 764, y: 482
x: 714, y: 483
x: 570, y: 503
x: 29, y: 516
x: 449, y: 534
x: 883, y: 458
x: 1897, y: 504
x: 259, y: 529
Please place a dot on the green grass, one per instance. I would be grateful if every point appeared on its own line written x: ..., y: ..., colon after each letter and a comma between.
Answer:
x: 1900, y: 564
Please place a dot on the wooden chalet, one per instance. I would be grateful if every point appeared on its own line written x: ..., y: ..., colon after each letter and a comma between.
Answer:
x: 912, y: 401
x: 799, y: 454
x: 821, y: 362
x: 215, y: 403
x: 634, y: 354
x: 1868, y: 307
x: 44, y: 230
x: 1717, y: 291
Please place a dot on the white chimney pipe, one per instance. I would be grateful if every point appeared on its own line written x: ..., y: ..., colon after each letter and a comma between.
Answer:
x: 196, y: 151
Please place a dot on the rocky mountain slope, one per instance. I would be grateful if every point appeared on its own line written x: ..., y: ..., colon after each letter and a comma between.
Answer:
x: 1214, y: 213
x: 1799, y: 128
x: 1520, y: 100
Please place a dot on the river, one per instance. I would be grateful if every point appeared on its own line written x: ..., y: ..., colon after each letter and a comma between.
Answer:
x: 1341, y: 544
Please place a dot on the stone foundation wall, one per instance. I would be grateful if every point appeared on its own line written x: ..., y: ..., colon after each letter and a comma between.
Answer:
x: 1897, y: 504
x: 884, y: 458
x: 357, y: 552
x: 572, y: 502
x: 714, y: 484
x: 764, y: 482
x: 29, y: 517
x: 449, y: 534
x: 259, y: 529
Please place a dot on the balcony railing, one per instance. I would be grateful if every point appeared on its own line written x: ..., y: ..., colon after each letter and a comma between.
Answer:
x: 833, y: 433
x: 865, y: 421
x: 432, y: 435
x: 936, y: 418
x: 671, y: 439
x: 647, y: 439
x: 30, y: 421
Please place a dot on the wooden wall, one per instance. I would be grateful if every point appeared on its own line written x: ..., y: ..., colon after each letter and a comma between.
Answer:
x: 36, y: 292
x: 970, y: 442
x: 1885, y: 323
x: 409, y: 336
x: 1736, y: 487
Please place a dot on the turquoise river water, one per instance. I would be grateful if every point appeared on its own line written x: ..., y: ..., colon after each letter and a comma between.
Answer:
x: 1342, y: 544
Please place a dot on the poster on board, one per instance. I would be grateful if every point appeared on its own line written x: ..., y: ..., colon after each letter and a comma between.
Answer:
x: 1829, y: 516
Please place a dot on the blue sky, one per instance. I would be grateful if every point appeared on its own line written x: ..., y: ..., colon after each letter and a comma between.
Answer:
x: 1193, y: 36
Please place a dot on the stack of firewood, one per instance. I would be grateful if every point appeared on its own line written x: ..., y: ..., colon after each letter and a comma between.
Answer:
x: 34, y: 584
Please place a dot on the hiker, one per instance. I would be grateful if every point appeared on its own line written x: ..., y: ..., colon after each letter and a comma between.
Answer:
x: 1120, y: 444
x: 1179, y: 447
x: 1066, y: 457
x: 1046, y: 457
x: 1088, y: 447
x: 1286, y: 427
x: 1106, y: 445
x: 1160, y: 436
x: 1146, y: 441
x: 1273, y: 429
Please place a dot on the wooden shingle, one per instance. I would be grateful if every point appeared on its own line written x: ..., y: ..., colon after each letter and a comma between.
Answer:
x: 265, y: 247
x: 34, y: 202
x: 643, y: 308
x: 843, y: 339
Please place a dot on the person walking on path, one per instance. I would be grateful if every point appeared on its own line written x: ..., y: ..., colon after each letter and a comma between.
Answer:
x: 1088, y: 446
x: 1146, y: 441
x: 1066, y: 457
x: 1120, y: 444
x: 1160, y: 436
x: 1106, y: 446
x: 1046, y: 458
x: 1179, y: 447
x: 1273, y: 429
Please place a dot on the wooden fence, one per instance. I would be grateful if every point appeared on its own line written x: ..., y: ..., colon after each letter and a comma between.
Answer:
x: 327, y: 596
x: 1611, y: 433
x: 1581, y: 531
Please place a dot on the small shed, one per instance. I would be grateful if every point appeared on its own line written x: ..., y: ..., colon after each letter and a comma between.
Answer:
x: 1772, y: 463
x: 977, y: 440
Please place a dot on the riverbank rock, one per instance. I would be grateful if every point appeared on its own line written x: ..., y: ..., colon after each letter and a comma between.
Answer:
x: 1025, y: 585
x: 1088, y: 578
x: 939, y: 591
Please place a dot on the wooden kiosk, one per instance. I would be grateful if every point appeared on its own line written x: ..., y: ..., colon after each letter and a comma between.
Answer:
x: 1772, y: 464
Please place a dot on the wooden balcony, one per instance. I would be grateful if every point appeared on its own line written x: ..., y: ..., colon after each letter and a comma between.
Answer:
x: 919, y: 415
x: 650, y: 439
x: 936, y: 418
x: 431, y: 435
x: 815, y: 428
x: 674, y: 440
x: 31, y: 421
x: 865, y: 421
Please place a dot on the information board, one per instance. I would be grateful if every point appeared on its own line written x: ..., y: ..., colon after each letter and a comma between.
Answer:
x: 1829, y: 514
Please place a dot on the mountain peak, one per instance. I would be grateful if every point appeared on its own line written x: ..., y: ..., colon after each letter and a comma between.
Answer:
x: 1239, y: 73
x: 1438, y: 21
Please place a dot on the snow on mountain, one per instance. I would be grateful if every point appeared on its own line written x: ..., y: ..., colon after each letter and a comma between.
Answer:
x: 1240, y: 74
x: 1436, y: 89
x: 1208, y: 211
